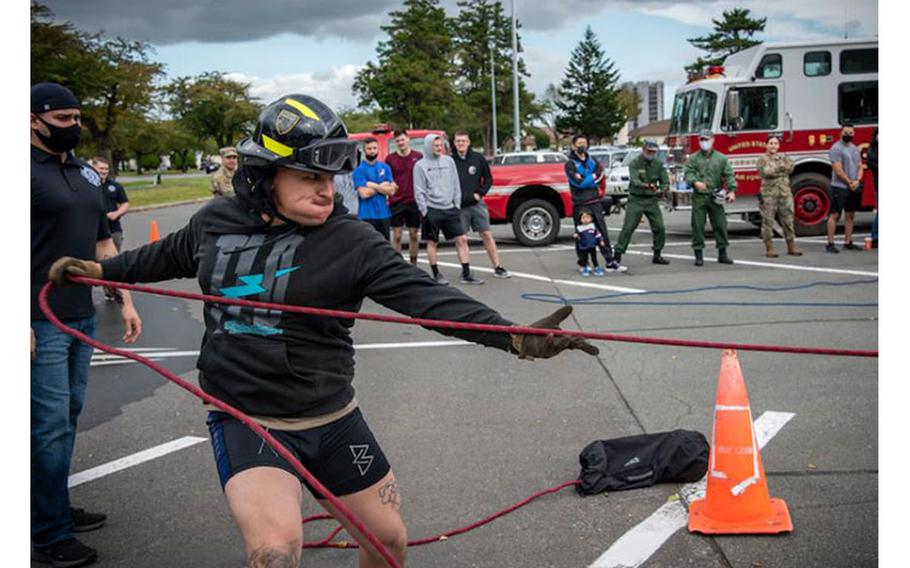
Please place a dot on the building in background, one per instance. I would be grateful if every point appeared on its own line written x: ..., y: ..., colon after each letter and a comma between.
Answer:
x: 655, y: 131
x: 651, y: 108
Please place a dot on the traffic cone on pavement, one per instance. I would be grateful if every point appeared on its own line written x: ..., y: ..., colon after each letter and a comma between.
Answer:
x: 153, y: 232
x: 737, y: 499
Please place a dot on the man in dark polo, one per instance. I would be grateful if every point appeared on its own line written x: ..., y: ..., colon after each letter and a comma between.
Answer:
x: 68, y: 218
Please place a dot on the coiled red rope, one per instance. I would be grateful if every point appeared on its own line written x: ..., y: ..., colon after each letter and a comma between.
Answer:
x: 442, y: 324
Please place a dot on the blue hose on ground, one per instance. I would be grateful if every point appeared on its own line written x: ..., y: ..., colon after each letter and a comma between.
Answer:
x: 609, y: 299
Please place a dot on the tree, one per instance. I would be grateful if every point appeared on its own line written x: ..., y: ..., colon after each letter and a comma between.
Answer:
x: 589, y: 94
x: 212, y: 106
x: 138, y: 137
x: 110, y: 77
x: 411, y: 82
x: 480, y: 26
x: 357, y: 120
x: 630, y: 101
x: 731, y: 35
x: 179, y: 142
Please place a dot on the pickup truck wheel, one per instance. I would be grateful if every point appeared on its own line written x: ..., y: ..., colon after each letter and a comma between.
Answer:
x: 535, y: 223
x: 811, y: 204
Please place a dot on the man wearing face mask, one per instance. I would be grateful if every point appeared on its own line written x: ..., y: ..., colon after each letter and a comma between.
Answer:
x: 647, y: 180
x: 846, y: 187
x: 68, y: 217
x: 584, y: 174
x: 711, y: 177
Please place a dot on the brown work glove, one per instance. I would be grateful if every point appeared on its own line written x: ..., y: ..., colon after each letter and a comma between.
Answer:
x: 69, y: 265
x: 546, y: 346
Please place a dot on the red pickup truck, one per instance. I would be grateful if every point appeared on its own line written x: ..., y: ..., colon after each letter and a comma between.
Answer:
x: 532, y: 197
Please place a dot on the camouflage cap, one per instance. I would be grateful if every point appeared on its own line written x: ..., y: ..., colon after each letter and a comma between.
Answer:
x: 228, y: 151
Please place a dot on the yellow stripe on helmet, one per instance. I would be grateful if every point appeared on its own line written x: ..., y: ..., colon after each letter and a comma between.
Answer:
x: 305, y: 110
x: 277, y: 147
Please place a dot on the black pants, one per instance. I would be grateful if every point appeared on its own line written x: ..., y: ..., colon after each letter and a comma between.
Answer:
x: 584, y: 254
x: 597, y: 211
x: 381, y: 225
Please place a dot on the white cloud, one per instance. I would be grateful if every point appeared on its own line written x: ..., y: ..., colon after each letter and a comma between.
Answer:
x: 332, y: 87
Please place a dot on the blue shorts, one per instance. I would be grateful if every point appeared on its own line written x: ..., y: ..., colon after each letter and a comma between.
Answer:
x: 343, y: 455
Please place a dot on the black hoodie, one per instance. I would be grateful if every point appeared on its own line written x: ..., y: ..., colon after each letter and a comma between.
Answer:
x: 285, y: 365
x: 473, y: 175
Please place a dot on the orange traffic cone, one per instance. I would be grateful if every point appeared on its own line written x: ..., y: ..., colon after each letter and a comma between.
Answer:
x: 153, y: 232
x: 737, y: 499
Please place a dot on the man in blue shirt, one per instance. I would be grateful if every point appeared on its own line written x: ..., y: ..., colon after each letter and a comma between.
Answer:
x: 374, y: 184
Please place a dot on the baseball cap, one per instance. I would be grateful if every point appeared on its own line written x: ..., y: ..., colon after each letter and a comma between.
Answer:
x: 705, y: 135
x: 228, y: 151
x: 52, y: 96
x: 651, y: 145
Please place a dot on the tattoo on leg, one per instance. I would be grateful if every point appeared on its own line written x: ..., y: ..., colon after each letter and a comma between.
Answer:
x: 267, y: 557
x: 389, y: 495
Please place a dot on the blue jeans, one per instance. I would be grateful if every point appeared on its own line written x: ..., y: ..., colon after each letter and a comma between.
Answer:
x: 59, y: 377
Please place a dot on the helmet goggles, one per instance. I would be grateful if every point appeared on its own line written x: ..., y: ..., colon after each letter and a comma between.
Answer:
x: 327, y: 156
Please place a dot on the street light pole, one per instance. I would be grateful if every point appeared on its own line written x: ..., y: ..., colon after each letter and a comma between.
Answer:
x: 493, y: 88
x: 515, y: 81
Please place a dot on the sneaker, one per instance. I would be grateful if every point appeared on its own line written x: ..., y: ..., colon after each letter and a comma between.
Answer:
x: 613, y: 265
x: 470, y: 279
x: 585, y: 271
x: 66, y: 553
x: 84, y: 521
x: 831, y: 248
x: 440, y: 279
x: 851, y: 246
x: 598, y: 271
x: 500, y: 272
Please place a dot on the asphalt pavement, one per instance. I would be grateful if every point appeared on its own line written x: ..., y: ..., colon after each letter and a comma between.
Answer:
x: 471, y: 430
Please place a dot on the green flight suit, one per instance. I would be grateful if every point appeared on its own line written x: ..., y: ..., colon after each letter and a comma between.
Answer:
x: 646, y: 180
x: 715, y: 172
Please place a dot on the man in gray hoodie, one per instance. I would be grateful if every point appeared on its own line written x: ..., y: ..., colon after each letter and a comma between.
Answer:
x: 437, y: 192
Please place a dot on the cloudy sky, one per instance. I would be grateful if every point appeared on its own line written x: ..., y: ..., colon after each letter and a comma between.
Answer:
x: 282, y: 46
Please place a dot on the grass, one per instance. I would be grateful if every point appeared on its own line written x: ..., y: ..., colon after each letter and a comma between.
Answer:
x: 171, y: 190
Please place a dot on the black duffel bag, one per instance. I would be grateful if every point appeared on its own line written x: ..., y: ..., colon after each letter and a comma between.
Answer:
x: 642, y: 461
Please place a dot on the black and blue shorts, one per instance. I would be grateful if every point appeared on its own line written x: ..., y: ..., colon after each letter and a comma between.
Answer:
x: 343, y: 455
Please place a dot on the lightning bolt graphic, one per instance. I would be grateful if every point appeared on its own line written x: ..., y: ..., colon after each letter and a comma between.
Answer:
x: 253, y: 284
x: 361, y: 459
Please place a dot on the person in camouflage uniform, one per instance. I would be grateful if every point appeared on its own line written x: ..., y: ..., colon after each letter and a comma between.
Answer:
x: 221, y: 180
x: 647, y: 180
x: 708, y: 172
x: 776, y: 198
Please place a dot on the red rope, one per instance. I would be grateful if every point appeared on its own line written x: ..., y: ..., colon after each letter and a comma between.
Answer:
x: 442, y: 324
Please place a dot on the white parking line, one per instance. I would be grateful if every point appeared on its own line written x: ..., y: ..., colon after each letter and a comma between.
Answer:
x: 550, y: 280
x: 772, y: 265
x: 133, y: 459
x: 644, y: 539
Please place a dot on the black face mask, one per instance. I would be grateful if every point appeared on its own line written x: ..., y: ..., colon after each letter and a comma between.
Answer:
x: 581, y: 149
x: 846, y: 138
x: 61, y: 139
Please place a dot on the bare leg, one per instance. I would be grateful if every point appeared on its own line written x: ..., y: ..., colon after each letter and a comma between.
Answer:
x: 848, y: 226
x: 431, y: 252
x: 832, y: 226
x: 489, y: 243
x: 396, y: 239
x: 413, y: 242
x: 461, y: 247
x: 265, y: 503
x: 378, y: 507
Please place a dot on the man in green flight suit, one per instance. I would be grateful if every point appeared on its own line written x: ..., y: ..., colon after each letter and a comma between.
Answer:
x: 647, y: 180
x: 708, y: 173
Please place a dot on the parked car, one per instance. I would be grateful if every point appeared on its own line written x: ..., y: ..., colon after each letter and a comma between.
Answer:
x: 538, y: 157
x: 209, y: 166
x: 618, y: 177
x: 609, y: 156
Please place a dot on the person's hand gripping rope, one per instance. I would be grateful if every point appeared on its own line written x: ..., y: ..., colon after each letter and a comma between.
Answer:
x: 545, y: 346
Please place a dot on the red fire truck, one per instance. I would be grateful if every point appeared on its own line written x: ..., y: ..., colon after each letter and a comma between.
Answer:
x: 804, y: 91
x: 532, y: 197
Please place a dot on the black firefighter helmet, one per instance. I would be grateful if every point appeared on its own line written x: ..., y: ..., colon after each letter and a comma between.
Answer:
x: 297, y: 132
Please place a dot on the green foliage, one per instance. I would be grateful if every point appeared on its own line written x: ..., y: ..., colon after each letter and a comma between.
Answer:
x: 589, y: 97
x: 212, y: 106
x: 482, y: 29
x: 731, y: 35
x: 359, y: 121
x: 410, y: 83
x: 171, y: 190
x: 630, y: 101
x: 111, y: 77
x: 181, y: 143
x: 541, y: 138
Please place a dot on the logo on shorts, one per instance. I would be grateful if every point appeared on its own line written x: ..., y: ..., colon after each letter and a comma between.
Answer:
x: 361, y: 459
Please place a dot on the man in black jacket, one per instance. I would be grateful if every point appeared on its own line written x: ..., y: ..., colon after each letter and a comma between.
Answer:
x: 286, y: 239
x: 476, y: 179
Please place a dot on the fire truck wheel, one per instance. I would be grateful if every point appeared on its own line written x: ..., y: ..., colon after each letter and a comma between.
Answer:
x: 811, y: 203
x: 535, y: 223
